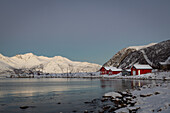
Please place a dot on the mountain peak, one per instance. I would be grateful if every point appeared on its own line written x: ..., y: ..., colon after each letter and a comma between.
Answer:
x: 25, y: 56
x: 61, y: 58
x: 29, y: 54
x: 58, y: 57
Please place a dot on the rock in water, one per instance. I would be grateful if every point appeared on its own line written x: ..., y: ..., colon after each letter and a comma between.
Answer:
x: 24, y: 107
x: 112, y: 94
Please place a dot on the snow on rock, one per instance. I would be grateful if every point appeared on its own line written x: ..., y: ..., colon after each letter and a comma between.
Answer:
x: 112, y: 94
x: 154, y: 102
x: 156, y: 99
x: 141, y: 47
x: 146, y: 58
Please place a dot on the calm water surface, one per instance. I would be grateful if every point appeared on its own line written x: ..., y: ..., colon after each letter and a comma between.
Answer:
x: 55, y: 95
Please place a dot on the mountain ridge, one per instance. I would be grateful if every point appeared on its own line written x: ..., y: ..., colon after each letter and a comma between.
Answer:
x: 56, y: 64
x: 151, y: 54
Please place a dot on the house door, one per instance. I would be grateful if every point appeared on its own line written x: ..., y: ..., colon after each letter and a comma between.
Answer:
x: 134, y: 72
x: 138, y: 72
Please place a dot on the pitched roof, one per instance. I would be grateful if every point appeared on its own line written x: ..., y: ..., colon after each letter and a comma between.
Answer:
x: 141, y: 66
x: 113, y: 68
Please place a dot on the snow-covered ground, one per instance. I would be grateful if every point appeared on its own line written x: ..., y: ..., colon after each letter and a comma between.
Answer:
x: 150, y: 98
x: 152, y: 76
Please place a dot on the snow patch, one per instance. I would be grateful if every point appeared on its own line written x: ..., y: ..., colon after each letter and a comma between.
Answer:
x: 146, y: 58
x: 141, y: 47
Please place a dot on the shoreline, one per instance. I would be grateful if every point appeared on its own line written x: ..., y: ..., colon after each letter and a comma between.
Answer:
x: 144, y: 99
x: 165, y: 75
x: 97, y: 77
x: 140, y: 99
x: 139, y: 79
x: 150, y: 98
x: 108, y: 78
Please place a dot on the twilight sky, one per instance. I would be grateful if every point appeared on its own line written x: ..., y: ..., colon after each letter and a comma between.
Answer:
x: 81, y: 30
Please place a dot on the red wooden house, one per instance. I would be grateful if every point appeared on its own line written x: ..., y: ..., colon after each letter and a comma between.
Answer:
x: 109, y: 70
x: 103, y: 71
x: 139, y: 69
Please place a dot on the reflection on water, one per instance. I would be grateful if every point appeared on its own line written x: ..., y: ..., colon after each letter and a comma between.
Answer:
x: 29, y: 87
x: 121, y: 85
x: 45, y: 93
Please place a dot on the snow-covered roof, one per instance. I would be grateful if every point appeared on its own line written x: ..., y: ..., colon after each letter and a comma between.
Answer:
x: 128, y: 69
x: 142, y: 66
x: 113, y: 68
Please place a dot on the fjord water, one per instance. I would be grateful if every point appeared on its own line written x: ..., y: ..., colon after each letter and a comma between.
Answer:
x: 55, y: 95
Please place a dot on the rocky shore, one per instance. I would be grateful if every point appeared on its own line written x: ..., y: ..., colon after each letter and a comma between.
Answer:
x: 145, y: 99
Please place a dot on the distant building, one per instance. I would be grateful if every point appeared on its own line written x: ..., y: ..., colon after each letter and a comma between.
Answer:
x: 165, y: 65
x: 109, y: 70
x: 136, y: 69
x: 126, y: 72
x: 139, y: 69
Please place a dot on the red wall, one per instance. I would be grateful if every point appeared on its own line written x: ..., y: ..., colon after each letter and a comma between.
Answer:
x: 142, y: 71
x: 109, y: 72
x: 103, y: 71
x: 115, y: 72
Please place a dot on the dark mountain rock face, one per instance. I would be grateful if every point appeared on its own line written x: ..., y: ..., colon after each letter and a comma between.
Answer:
x: 119, y: 57
x: 151, y: 55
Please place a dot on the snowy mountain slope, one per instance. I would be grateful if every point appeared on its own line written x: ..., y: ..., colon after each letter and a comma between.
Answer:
x: 152, y: 55
x: 4, y: 66
x: 5, y: 63
x: 121, y: 55
x: 55, y: 64
x: 156, y: 54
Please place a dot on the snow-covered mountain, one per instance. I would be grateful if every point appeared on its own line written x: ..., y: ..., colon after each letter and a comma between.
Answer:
x: 151, y: 54
x: 31, y: 63
x: 122, y: 54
